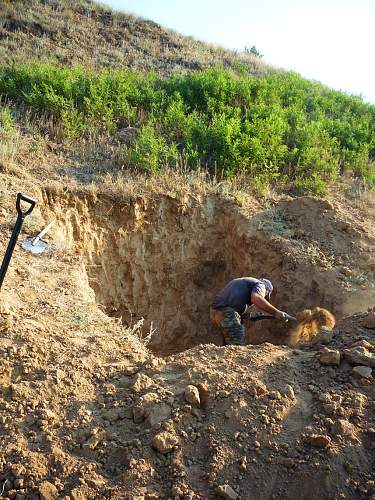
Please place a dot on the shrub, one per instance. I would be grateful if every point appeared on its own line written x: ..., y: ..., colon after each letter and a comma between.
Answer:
x: 7, y: 125
x: 279, y: 128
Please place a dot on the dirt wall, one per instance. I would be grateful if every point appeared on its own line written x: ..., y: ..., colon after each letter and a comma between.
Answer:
x: 164, y: 259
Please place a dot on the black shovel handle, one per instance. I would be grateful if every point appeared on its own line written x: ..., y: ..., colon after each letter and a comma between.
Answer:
x: 260, y: 317
x: 26, y: 199
x: 16, y: 231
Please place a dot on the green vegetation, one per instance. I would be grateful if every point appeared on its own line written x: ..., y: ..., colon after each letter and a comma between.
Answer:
x: 254, y: 51
x: 7, y: 126
x: 277, y: 128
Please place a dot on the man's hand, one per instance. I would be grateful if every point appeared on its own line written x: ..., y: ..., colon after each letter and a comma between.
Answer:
x: 285, y: 316
x: 281, y: 315
x: 263, y: 304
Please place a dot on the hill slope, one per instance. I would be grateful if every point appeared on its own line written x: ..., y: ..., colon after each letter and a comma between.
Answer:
x: 83, y: 32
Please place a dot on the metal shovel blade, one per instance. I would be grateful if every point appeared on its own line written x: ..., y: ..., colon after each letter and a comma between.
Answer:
x: 36, y: 244
x: 29, y: 245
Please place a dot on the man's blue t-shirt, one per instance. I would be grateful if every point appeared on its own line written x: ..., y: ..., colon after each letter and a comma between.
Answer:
x: 237, y: 294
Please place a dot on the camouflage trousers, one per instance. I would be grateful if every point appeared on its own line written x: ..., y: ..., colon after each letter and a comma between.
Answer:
x: 229, y: 322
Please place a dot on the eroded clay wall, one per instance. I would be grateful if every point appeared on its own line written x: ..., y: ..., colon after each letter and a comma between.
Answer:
x: 164, y: 259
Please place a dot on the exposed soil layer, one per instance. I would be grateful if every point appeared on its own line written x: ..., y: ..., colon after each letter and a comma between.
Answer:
x: 163, y: 259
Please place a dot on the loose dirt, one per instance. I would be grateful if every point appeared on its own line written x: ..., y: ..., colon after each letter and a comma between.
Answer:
x: 89, y: 409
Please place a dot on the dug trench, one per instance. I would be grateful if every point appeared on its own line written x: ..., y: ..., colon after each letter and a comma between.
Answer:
x: 162, y: 259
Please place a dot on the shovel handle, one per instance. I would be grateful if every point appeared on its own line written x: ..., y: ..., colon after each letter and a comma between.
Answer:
x: 16, y: 231
x: 42, y: 233
x: 26, y: 199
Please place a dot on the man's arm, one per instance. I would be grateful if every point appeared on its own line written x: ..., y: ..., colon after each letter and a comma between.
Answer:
x: 265, y: 306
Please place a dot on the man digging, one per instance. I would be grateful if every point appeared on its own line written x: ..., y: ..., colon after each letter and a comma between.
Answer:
x: 229, y: 306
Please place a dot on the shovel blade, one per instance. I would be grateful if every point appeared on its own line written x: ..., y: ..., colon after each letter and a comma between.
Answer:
x: 39, y: 247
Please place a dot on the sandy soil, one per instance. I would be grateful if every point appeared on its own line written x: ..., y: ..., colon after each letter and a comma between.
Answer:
x: 90, y: 409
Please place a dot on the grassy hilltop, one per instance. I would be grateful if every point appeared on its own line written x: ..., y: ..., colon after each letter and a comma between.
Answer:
x: 83, y: 32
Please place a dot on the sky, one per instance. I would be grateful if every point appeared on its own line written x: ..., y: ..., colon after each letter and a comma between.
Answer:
x: 330, y: 41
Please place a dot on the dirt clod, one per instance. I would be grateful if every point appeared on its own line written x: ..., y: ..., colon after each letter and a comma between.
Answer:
x: 330, y: 357
x: 318, y: 440
x: 362, y: 371
x: 227, y: 492
x: 359, y: 355
x: 165, y: 442
x: 48, y: 491
x: 192, y: 395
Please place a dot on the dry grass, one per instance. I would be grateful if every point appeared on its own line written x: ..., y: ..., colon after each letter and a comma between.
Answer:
x: 83, y: 32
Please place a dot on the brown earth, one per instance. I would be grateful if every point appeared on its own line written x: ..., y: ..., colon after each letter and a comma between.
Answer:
x: 93, y: 407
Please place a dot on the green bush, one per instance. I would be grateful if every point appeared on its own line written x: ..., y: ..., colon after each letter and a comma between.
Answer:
x: 279, y: 128
x: 7, y: 125
x: 150, y: 152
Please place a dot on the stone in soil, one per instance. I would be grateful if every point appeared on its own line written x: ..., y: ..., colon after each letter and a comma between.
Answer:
x: 192, y: 395
x: 227, y: 492
x: 323, y: 337
x: 359, y: 356
x: 318, y: 440
x: 362, y: 371
x: 165, y: 441
x: 330, y: 357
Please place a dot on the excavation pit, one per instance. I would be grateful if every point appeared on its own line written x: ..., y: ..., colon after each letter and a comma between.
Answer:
x: 164, y: 259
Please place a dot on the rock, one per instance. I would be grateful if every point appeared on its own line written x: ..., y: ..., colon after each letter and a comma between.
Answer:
x: 359, y: 356
x: 192, y: 395
x: 47, y: 415
x: 151, y: 410
x: 129, y: 370
x: 142, y: 409
x: 363, y: 343
x: 362, y: 371
x: 257, y: 388
x: 47, y: 491
x: 330, y: 408
x: 277, y: 395
x: 330, y: 357
x: 112, y: 415
x: 204, y: 394
x: 369, y: 321
x: 141, y: 382
x: 318, y: 440
x: 97, y: 435
x: 226, y: 491
x: 323, y: 337
x: 325, y: 398
x: 288, y: 462
x: 127, y: 135
x: 165, y: 442
x: 357, y: 400
x: 343, y: 428
x: 288, y: 392
x: 157, y: 414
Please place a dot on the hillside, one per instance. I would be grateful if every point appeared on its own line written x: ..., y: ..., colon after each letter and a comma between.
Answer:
x: 82, y: 32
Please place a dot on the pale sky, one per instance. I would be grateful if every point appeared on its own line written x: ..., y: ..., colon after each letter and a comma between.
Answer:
x: 331, y: 41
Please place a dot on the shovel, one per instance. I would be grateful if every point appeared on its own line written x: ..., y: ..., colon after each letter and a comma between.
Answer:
x: 258, y: 317
x: 16, y: 231
x: 37, y: 245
